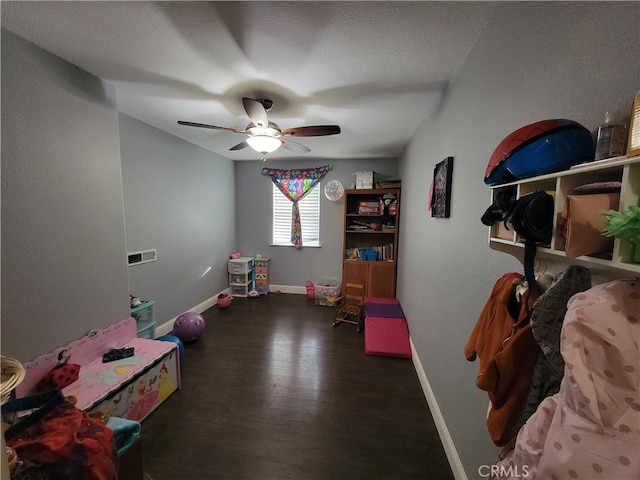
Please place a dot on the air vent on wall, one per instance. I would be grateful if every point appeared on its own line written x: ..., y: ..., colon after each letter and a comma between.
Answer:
x: 145, y: 256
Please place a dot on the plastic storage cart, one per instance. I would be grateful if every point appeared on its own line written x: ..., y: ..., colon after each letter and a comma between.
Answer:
x: 145, y: 320
x: 241, y: 276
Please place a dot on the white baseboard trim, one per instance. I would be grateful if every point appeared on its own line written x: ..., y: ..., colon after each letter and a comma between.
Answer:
x: 288, y: 289
x: 441, y: 425
x: 167, y: 327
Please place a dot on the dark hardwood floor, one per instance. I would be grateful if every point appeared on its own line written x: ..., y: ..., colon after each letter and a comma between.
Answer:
x: 272, y: 391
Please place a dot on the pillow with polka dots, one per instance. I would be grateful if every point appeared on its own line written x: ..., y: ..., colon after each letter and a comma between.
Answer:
x: 59, y: 377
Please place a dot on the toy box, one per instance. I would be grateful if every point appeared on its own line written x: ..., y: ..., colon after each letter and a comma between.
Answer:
x: 145, y: 391
x: 327, y: 292
x: 364, y: 179
x: 131, y: 387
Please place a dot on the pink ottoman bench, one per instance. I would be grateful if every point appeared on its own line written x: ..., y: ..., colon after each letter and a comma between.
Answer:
x: 387, y: 337
x: 385, y: 328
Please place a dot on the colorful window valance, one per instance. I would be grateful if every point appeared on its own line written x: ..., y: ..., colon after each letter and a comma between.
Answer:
x: 295, y: 185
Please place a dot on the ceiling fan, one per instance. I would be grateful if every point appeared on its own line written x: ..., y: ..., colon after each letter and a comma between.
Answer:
x: 265, y: 136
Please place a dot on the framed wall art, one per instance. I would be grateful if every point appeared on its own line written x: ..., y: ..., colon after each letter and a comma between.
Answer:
x: 441, y: 196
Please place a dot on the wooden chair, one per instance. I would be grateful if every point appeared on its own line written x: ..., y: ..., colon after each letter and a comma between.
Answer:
x: 349, y: 305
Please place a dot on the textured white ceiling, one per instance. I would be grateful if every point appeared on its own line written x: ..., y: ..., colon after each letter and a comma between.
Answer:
x: 376, y: 69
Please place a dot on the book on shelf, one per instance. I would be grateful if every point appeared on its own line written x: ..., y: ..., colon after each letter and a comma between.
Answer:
x: 365, y: 208
x: 388, y: 184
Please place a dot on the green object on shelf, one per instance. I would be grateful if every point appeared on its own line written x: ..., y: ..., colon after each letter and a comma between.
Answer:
x: 625, y: 225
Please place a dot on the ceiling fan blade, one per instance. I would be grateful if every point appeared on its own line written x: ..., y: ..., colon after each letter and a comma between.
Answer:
x: 240, y: 146
x: 312, y: 131
x: 294, y: 146
x: 212, y: 127
x: 256, y: 112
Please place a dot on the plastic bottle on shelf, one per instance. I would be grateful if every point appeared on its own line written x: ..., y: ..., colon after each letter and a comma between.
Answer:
x: 611, y: 140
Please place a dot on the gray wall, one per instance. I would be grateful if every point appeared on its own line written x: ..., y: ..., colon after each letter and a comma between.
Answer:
x: 178, y: 199
x: 63, y: 233
x: 290, y: 266
x: 533, y: 61
x: 63, y: 251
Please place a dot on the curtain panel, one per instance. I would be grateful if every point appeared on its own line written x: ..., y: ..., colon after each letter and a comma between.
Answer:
x: 295, y: 185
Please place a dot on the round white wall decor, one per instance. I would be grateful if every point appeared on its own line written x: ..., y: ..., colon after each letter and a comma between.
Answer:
x: 333, y: 190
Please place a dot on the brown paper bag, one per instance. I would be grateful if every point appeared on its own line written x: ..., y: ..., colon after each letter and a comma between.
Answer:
x: 584, y: 221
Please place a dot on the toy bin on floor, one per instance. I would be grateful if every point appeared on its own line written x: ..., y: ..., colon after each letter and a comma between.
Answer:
x: 327, y: 292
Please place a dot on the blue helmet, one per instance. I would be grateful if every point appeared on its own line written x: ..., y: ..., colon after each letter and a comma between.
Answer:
x: 543, y: 147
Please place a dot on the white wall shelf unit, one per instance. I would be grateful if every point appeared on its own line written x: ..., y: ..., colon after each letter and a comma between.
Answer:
x: 560, y: 184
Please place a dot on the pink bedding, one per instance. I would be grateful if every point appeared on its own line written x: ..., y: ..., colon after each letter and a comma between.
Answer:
x: 590, y: 429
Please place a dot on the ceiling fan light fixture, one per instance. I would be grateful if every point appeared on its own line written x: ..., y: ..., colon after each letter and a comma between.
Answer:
x: 264, y: 136
x: 264, y: 143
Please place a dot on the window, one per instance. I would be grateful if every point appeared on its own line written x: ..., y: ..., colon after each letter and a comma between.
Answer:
x: 309, y: 218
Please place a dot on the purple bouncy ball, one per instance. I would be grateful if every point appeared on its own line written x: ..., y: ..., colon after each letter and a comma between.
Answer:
x: 188, y: 326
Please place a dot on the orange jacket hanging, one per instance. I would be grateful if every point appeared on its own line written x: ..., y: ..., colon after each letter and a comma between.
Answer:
x: 507, y: 351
